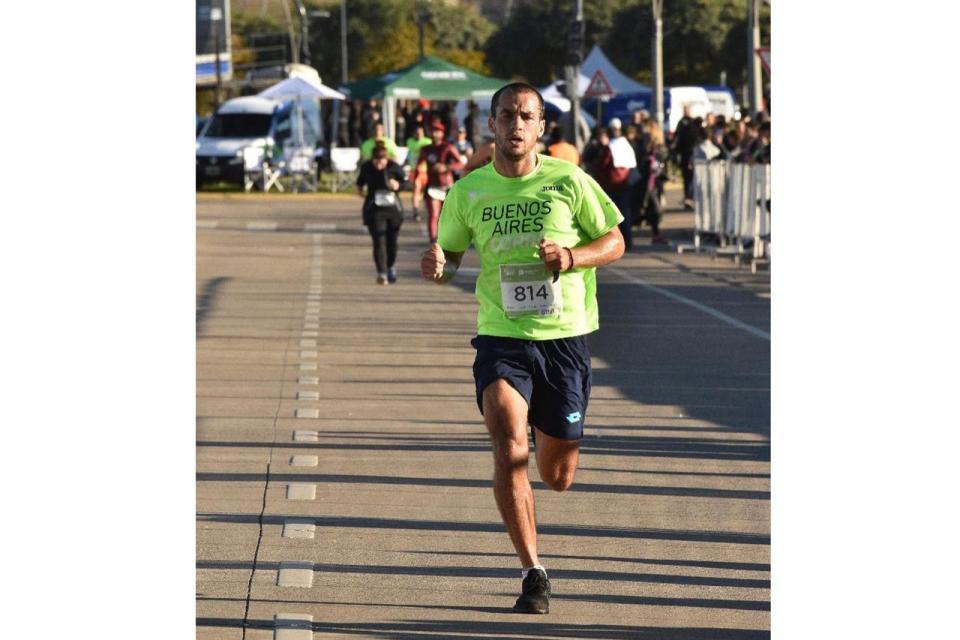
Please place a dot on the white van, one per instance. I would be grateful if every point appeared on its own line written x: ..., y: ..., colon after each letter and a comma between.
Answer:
x: 722, y: 102
x: 242, y: 133
x: 678, y: 97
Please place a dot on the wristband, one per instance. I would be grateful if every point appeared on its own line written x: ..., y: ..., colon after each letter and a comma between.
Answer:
x: 570, y: 252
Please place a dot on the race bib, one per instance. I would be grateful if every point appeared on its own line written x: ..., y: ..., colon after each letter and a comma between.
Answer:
x: 437, y: 193
x: 529, y: 290
x: 384, y: 198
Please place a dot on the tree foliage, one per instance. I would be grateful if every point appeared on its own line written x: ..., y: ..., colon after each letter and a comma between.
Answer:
x: 382, y: 35
x: 701, y: 38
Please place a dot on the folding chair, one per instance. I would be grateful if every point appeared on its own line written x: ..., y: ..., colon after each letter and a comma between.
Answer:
x: 300, y: 165
x: 345, y: 164
x: 258, y: 171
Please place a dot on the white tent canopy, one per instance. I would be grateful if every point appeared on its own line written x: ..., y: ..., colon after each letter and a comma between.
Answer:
x: 619, y: 82
x: 300, y: 88
x: 553, y: 91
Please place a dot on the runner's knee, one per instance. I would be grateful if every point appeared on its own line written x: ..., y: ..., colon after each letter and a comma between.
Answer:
x: 560, y: 480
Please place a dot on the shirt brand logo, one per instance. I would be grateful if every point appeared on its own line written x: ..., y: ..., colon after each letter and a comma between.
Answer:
x: 574, y: 417
x: 551, y: 187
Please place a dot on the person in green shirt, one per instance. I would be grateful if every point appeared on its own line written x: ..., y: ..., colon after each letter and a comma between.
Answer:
x: 366, y: 147
x: 540, y: 227
x: 419, y: 140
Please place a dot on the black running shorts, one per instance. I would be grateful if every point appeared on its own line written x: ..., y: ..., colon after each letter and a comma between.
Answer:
x: 553, y: 376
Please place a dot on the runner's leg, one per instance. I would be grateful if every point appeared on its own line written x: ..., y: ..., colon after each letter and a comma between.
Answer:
x: 433, y: 211
x: 378, y: 232
x: 505, y: 414
x: 556, y: 460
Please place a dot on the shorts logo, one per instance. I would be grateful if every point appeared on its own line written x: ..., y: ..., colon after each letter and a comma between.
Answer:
x: 574, y: 417
x: 551, y: 187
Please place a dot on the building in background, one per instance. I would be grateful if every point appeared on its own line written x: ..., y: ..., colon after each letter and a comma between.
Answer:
x: 213, y: 33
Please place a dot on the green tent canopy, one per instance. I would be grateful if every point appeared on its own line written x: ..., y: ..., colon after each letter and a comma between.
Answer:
x: 432, y: 78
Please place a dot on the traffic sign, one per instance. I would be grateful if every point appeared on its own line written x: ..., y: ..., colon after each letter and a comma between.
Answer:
x: 598, y: 87
x: 764, y: 54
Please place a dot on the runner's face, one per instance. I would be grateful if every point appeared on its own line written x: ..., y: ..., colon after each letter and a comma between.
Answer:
x: 517, y: 125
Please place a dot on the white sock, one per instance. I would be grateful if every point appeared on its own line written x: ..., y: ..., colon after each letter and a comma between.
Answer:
x: 527, y: 570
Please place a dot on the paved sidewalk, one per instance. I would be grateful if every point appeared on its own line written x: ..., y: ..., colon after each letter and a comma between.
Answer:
x: 665, y: 533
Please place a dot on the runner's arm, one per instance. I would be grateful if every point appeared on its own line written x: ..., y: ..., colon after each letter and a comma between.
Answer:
x: 603, y: 250
x: 439, y: 265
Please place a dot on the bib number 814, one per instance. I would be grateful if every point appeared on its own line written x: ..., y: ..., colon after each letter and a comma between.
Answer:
x: 522, y: 294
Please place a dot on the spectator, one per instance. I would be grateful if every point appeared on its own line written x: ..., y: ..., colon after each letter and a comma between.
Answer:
x: 560, y: 148
x: 482, y: 155
x: 684, y: 141
x: 614, y: 180
x: 592, y: 151
x: 624, y: 158
x: 464, y: 146
x: 370, y: 116
x: 473, y: 124
x: 651, y: 184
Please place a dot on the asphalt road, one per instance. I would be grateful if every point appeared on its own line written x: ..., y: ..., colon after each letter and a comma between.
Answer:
x: 376, y: 500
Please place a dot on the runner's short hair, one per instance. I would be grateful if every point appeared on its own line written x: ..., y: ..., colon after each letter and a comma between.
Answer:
x: 379, y: 150
x: 514, y: 87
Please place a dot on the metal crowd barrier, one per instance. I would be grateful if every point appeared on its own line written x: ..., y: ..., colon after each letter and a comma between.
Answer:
x: 732, y: 202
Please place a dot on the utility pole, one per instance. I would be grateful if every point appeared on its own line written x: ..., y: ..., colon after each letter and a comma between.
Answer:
x: 304, y: 33
x: 343, y: 37
x: 216, y: 17
x: 753, y: 60
x: 657, y: 59
x: 421, y: 20
x: 572, y: 73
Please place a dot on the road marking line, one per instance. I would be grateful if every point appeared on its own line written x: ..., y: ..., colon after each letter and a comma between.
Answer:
x: 301, y: 491
x: 309, y: 395
x: 308, y: 343
x: 207, y: 224
x: 307, y: 413
x: 691, y: 303
x: 303, y: 380
x: 308, y: 366
x: 306, y: 436
x: 308, y: 355
x: 260, y: 225
x: 309, y: 334
x: 298, y: 529
x: 293, y: 626
x: 295, y: 574
x: 311, y: 325
x: 304, y: 461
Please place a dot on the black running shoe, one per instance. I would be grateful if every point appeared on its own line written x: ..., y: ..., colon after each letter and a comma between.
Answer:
x: 536, y: 593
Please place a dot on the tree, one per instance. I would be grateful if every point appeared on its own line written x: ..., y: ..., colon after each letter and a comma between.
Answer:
x: 701, y: 38
x: 382, y: 35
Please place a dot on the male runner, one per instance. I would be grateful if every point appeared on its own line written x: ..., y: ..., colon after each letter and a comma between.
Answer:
x: 437, y: 161
x: 540, y: 227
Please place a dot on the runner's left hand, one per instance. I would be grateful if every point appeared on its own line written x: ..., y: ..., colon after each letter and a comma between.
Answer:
x: 555, y: 257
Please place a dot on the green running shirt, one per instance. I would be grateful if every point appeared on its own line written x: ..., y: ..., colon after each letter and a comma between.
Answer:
x: 505, y: 219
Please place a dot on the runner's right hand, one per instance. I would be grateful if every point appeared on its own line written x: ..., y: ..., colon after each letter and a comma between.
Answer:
x: 432, y: 262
